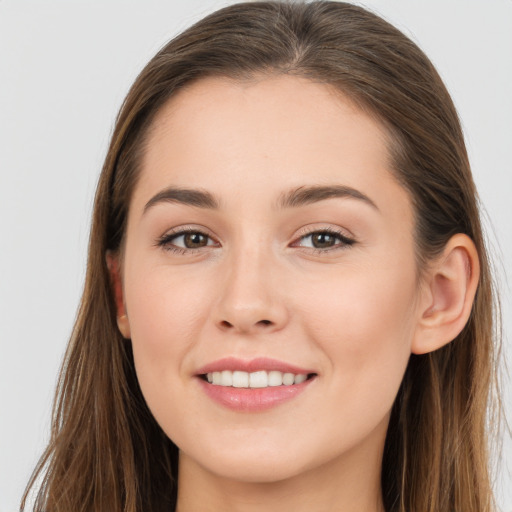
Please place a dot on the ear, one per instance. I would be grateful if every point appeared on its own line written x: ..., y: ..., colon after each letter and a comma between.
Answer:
x: 449, y: 291
x: 114, y: 267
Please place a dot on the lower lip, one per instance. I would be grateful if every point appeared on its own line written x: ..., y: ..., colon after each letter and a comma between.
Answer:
x: 253, y: 399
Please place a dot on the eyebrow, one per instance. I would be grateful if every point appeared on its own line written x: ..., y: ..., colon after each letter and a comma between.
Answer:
x: 187, y: 196
x: 291, y: 199
x: 313, y: 194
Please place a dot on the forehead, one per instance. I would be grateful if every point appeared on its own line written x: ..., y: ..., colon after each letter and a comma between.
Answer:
x: 287, y: 107
x: 262, y: 136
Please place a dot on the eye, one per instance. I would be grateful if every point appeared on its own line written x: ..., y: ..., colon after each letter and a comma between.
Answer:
x: 186, y: 240
x: 324, y: 240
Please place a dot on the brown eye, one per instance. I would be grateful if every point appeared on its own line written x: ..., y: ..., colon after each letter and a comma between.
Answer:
x: 323, y: 240
x: 186, y: 240
x: 195, y: 240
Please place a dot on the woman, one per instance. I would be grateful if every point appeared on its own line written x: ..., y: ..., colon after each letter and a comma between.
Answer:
x: 288, y: 303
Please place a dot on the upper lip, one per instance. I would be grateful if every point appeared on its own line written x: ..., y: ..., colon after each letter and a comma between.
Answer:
x: 253, y: 365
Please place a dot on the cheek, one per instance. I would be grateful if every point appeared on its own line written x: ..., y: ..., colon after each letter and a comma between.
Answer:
x: 164, y: 305
x: 364, y: 323
x: 166, y: 312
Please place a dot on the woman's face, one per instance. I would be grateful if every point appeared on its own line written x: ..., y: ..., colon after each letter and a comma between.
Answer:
x: 267, y: 236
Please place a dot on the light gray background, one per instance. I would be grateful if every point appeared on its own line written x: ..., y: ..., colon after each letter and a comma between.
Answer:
x: 64, y: 70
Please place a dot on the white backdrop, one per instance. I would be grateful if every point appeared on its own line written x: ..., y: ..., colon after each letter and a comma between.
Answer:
x: 65, y: 67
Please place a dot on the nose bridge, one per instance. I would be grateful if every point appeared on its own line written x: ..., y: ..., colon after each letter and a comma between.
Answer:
x: 249, y: 299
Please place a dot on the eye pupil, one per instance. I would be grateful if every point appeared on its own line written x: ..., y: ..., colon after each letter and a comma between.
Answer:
x: 322, y: 240
x: 194, y: 240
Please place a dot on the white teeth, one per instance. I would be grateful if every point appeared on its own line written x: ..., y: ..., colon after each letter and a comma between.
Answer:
x: 299, y: 378
x: 288, y: 379
x: 226, y: 378
x: 260, y: 379
x: 275, y: 378
x: 240, y: 379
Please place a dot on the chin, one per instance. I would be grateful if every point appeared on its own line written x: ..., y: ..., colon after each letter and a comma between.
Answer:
x: 254, y: 471
x: 261, y: 464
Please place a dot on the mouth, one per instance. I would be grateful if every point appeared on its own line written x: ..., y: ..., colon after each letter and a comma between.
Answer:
x: 253, y: 386
x: 255, y: 380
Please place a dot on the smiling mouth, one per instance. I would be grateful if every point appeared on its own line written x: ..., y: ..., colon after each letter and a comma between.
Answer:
x: 256, y: 380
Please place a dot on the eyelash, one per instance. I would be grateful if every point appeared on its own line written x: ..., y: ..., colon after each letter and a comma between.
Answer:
x: 343, y: 241
x: 165, y: 241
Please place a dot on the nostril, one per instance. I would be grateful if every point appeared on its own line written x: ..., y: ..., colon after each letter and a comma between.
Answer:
x: 225, y: 324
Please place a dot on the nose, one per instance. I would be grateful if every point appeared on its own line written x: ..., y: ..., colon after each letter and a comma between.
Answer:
x: 251, y: 299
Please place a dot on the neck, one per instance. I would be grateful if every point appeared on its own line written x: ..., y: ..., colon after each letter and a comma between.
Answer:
x: 349, y: 484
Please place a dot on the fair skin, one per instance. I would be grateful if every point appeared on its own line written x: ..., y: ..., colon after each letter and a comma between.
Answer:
x: 328, y: 283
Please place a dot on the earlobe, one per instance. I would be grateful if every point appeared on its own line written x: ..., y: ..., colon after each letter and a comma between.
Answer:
x: 450, y: 289
x: 113, y: 266
x: 124, y: 326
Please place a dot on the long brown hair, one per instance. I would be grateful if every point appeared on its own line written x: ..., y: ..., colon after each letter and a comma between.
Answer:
x: 106, y: 452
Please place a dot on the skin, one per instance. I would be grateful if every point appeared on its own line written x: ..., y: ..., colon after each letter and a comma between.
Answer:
x: 259, y: 288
